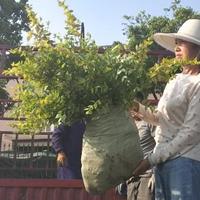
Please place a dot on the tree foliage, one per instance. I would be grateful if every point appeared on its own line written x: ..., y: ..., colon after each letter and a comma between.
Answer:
x: 13, y: 20
x: 67, y: 79
x: 137, y: 28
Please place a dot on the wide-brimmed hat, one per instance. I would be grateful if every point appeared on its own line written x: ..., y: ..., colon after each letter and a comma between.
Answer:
x: 189, y: 31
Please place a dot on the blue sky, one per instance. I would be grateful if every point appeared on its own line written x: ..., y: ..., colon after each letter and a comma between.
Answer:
x: 103, y: 19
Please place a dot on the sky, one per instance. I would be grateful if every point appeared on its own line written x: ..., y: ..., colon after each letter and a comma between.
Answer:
x: 103, y: 19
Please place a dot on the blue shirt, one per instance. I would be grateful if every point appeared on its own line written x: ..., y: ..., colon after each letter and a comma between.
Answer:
x: 69, y: 140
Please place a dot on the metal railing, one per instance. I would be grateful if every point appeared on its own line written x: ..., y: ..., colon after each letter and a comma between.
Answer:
x: 25, y: 156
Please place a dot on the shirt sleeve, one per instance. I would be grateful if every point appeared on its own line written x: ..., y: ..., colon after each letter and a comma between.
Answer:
x: 188, y: 135
x: 58, y: 137
x: 147, y: 141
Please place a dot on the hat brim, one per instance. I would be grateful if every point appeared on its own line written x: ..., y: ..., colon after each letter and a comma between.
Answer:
x: 167, y: 40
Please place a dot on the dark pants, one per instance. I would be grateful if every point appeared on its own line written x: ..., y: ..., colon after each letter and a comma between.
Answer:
x: 138, y: 190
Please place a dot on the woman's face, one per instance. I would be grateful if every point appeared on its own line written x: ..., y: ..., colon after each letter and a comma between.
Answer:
x: 186, y: 50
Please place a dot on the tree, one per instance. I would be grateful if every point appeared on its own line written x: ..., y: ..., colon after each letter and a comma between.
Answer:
x: 67, y: 79
x: 13, y: 20
x: 137, y: 28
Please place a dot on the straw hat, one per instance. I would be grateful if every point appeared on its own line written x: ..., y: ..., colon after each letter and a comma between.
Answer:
x: 189, y: 31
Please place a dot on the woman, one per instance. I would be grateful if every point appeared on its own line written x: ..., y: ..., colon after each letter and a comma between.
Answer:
x: 177, y: 151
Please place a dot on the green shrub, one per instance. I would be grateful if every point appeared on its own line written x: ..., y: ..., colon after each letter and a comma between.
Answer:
x: 68, y: 79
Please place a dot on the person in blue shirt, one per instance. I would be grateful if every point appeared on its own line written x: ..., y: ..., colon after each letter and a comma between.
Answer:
x: 67, y: 143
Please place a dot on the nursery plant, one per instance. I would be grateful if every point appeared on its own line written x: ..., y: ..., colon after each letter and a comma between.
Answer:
x: 66, y: 79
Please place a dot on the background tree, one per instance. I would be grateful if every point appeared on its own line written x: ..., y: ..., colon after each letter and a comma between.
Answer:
x: 13, y: 20
x: 67, y: 79
x: 138, y: 28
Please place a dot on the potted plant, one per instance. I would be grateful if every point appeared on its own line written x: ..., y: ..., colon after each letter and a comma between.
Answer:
x: 67, y: 79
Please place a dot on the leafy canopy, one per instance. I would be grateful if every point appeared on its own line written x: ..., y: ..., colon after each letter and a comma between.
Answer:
x: 13, y: 20
x: 67, y: 78
x: 140, y: 27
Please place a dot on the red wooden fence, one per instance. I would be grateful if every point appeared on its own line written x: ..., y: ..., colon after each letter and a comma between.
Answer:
x: 49, y: 189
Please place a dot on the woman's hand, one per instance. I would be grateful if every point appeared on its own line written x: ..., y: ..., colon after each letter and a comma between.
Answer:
x: 134, y: 111
x: 135, y: 106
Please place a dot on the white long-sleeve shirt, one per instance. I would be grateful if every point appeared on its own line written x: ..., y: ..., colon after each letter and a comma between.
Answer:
x: 178, y: 120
